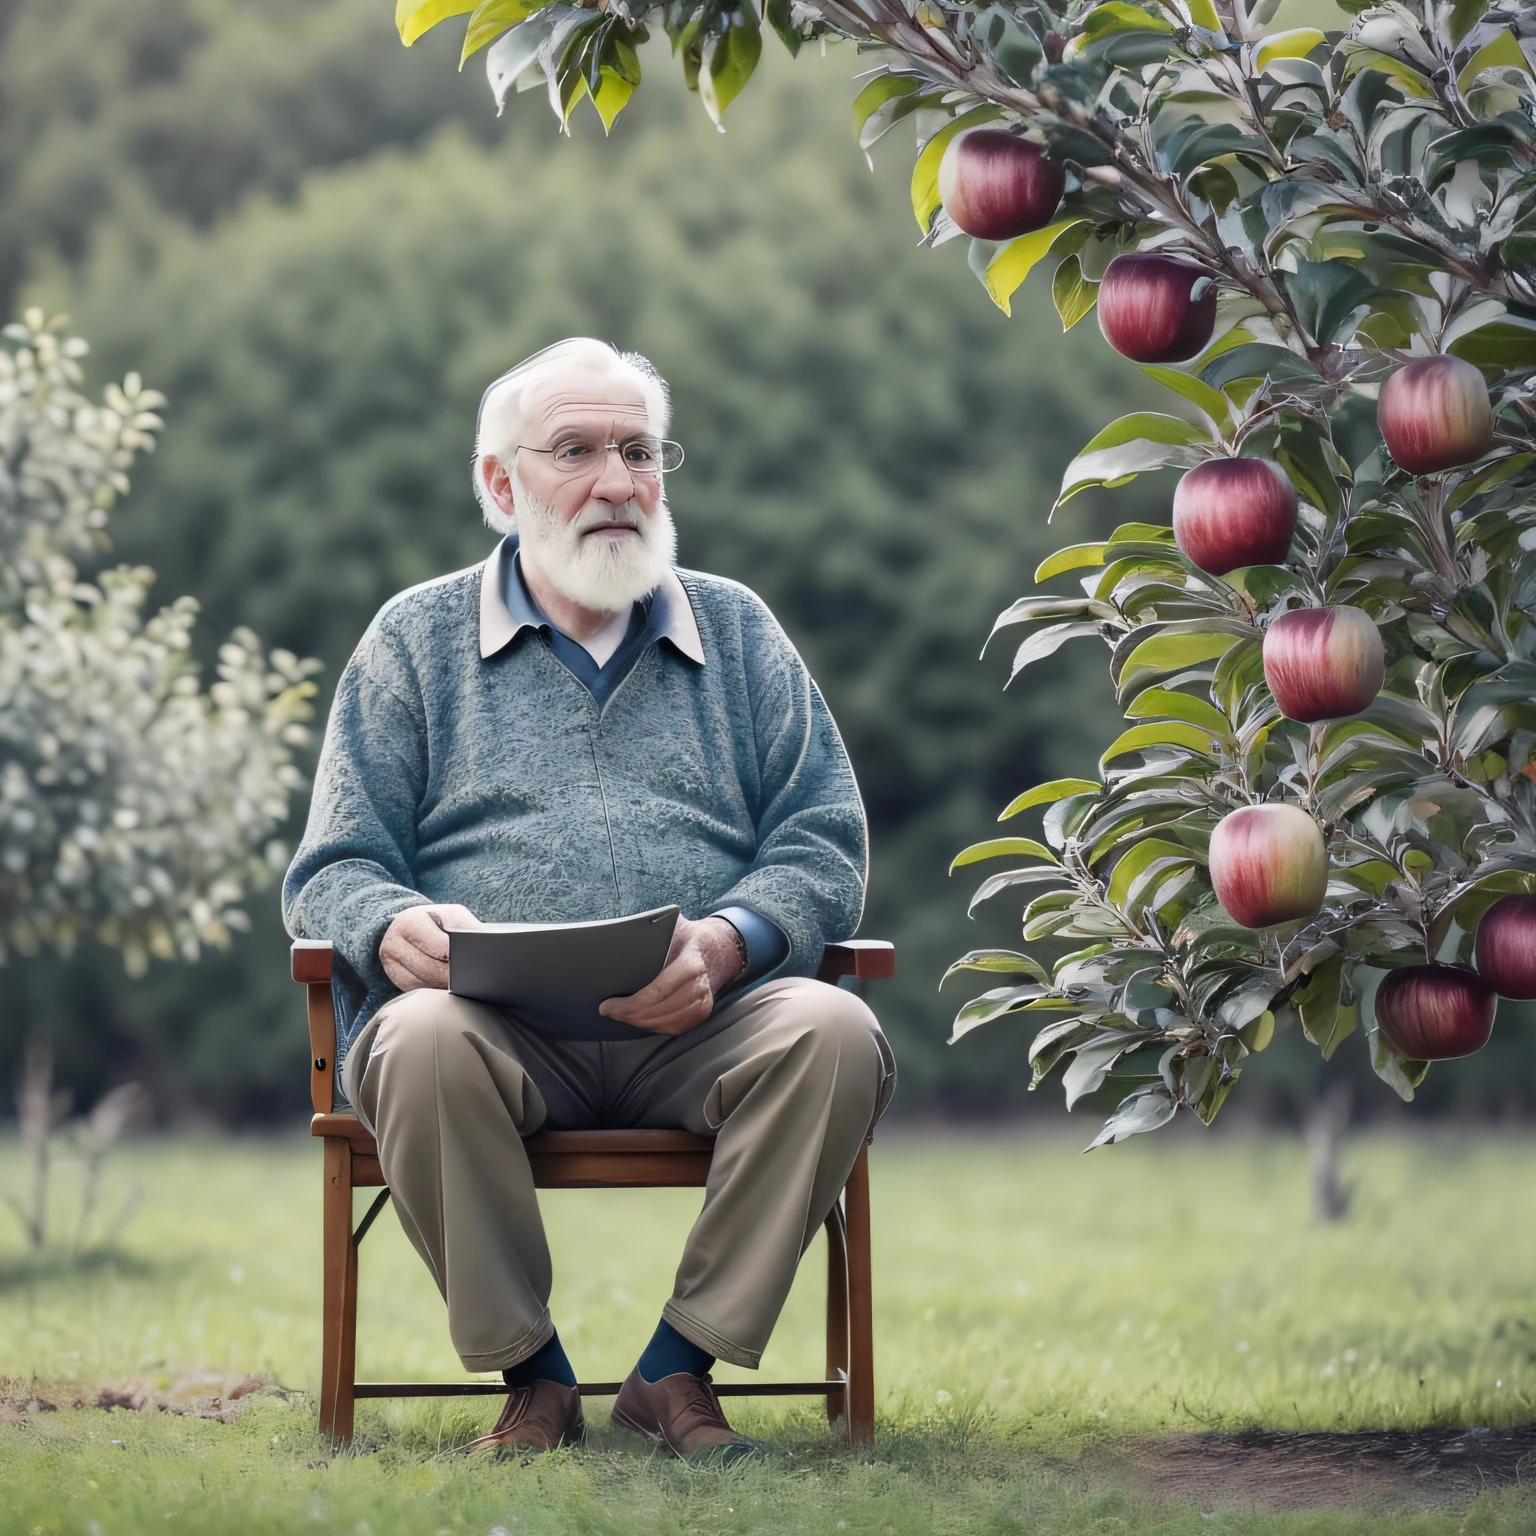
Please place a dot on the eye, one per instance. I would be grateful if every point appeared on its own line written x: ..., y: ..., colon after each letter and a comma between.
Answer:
x: 640, y: 455
x: 574, y: 455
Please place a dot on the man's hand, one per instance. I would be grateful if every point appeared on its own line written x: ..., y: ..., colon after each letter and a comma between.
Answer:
x: 414, y: 949
x: 704, y: 960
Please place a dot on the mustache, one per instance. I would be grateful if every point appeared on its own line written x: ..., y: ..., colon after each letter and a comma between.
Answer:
x: 597, y: 515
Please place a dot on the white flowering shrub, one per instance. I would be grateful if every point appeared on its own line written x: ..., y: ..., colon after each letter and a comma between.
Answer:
x: 134, y: 804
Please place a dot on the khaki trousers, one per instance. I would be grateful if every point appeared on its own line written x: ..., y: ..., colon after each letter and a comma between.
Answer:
x: 788, y: 1081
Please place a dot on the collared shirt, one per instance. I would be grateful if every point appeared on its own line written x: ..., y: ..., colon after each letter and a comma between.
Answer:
x: 664, y: 614
x: 649, y: 621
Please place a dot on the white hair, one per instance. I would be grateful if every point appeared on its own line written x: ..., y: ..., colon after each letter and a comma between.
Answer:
x: 503, y: 422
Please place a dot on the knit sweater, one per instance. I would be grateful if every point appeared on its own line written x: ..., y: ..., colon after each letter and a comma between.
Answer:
x: 464, y: 763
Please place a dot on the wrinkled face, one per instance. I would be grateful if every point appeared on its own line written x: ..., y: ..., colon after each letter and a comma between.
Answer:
x: 577, y: 408
x: 591, y: 522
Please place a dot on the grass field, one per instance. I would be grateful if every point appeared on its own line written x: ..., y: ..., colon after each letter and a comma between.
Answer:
x: 1034, y: 1308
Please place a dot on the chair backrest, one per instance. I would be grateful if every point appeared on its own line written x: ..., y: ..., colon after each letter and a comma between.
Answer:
x: 863, y: 959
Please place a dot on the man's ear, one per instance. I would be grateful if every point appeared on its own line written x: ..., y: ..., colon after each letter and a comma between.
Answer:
x: 498, y: 484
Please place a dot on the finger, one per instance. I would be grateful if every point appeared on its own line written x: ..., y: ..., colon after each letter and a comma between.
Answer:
x: 681, y: 1023
x: 428, y: 971
x: 422, y: 934
x: 454, y: 916
x: 674, y: 978
x: 685, y: 1002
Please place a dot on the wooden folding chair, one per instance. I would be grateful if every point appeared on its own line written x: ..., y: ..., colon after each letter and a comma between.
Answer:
x: 577, y: 1160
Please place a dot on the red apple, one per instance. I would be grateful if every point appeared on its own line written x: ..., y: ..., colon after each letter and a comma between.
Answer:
x: 995, y: 185
x: 1155, y: 308
x: 1323, y: 663
x: 1506, y: 947
x: 1228, y: 513
x: 1435, y: 414
x: 1269, y: 865
x: 1435, y: 1012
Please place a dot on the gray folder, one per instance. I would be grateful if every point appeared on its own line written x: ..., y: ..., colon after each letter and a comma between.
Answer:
x: 552, y: 976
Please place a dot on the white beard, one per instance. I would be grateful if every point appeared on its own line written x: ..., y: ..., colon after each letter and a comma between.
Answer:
x: 603, y: 574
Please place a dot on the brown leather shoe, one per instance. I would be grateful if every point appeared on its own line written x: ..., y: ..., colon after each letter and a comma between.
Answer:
x: 536, y: 1418
x: 682, y: 1415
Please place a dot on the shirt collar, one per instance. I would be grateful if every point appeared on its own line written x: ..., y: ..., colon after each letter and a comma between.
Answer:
x: 672, y: 615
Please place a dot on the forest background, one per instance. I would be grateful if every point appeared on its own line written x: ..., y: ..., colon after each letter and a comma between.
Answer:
x: 321, y: 248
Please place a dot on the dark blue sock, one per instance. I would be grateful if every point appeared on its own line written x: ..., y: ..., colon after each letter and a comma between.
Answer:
x: 549, y: 1364
x: 669, y: 1352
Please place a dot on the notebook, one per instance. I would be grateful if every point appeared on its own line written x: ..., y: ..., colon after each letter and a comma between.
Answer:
x: 552, y: 976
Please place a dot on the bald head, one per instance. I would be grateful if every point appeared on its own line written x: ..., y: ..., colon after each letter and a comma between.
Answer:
x: 530, y: 403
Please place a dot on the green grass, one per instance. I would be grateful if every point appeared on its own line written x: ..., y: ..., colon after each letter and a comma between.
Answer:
x: 1031, y: 1304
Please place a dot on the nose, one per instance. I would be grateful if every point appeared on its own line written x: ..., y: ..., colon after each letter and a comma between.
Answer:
x: 614, y: 482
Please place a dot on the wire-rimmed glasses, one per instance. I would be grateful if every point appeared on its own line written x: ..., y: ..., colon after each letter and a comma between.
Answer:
x: 639, y: 455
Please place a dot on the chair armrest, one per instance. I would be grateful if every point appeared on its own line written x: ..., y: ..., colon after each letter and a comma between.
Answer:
x: 311, y: 960
x: 866, y: 959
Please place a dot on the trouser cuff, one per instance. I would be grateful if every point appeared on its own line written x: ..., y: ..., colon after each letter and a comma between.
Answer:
x: 529, y: 1343
x: 707, y: 1339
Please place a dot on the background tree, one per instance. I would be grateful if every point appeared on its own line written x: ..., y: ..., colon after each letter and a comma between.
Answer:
x: 1328, y: 656
x: 136, y: 807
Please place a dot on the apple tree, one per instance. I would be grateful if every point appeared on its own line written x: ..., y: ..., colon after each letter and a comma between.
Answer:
x: 1320, y: 244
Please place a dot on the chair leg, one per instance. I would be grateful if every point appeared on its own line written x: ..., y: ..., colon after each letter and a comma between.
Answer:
x: 861, y: 1342
x: 338, y: 1360
x: 837, y: 1313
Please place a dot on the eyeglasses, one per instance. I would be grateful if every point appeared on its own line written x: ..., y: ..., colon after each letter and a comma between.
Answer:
x: 639, y: 455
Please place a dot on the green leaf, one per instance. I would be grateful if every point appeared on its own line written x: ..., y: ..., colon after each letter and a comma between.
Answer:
x: 1165, y: 653
x: 1014, y: 262
x: 925, y: 174
x: 729, y: 60
x: 1073, y: 295
x: 1049, y: 794
x: 1046, y: 642
x: 490, y: 19
x: 1141, y: 533
x: 993, y: 1005
x: 780, y: 16
x: 1295, y: 44
x: 1144, y: 440
x: 1148, y: 426
x: 1358, y: 57
x: 1180, y: 706
x: 1002, y: 847
x: 1138, y: 859
x: 880, y: 91
x: 1211, y: 402
x: 1007, y: 961
x: 1160, y: 733
x: 1506, y: 343
x: 1502, y: 53
x: 1037, y: 875
x: 1326, y: 295
x: 1075, y: 558
x: 1257, y: 360
x: 1145, y: 1110
x: 611, y: 96
x: 413, y: 18
x: 1324, y: 1020
x: 1118, y: 16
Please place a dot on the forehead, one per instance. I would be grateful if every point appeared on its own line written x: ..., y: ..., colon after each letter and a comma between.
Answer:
x: 577, y: 399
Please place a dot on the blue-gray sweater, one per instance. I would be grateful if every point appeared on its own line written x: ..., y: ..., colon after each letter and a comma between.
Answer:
x: 464, y: 763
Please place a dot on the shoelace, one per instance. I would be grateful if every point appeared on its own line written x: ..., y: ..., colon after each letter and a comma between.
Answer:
x: 703, y: 1399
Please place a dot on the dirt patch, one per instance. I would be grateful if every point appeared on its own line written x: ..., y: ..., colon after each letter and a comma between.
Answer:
x: 1275, y: 1470
x: 191, y: 1394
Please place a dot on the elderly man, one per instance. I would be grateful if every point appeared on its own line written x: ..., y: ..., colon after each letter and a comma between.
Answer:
x: 577, y: 730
